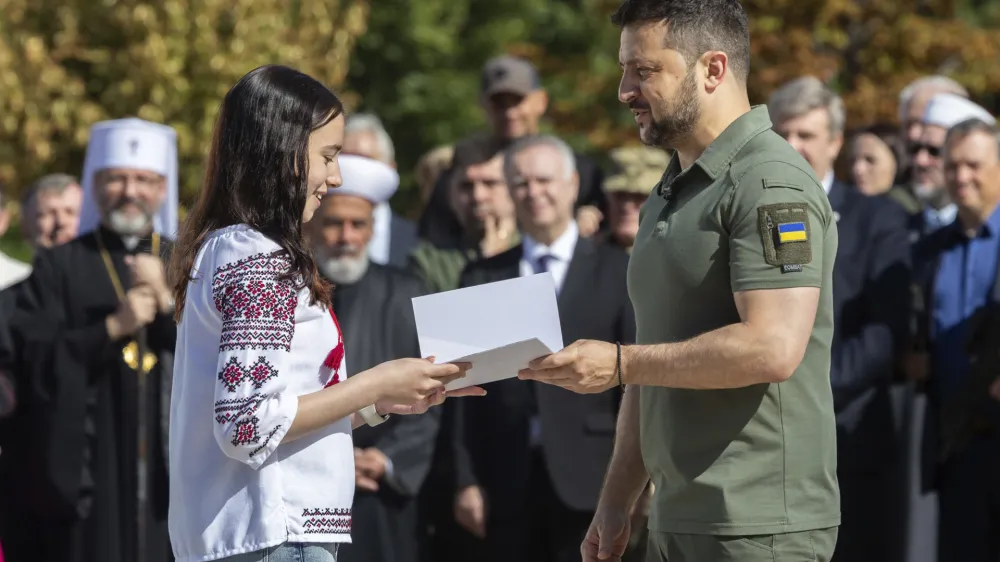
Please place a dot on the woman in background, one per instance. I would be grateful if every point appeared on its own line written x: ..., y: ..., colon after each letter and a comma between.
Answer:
x: 261, y: 458
x: 872, y: 158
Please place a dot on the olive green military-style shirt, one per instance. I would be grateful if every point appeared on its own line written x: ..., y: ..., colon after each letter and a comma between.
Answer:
x: 748, y: 214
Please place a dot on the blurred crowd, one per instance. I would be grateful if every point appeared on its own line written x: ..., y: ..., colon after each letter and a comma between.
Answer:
x: 516, y: 475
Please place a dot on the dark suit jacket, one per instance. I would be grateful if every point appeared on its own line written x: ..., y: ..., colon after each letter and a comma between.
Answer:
x: 577, y: 430
x: 871, y: 313
x: 927, y: 260
x: 376, y: 316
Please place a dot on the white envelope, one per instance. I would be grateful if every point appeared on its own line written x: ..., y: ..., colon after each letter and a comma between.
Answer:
x: 499, y: 327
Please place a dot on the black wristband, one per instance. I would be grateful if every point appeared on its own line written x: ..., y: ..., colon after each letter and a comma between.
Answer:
x: 618, y: 365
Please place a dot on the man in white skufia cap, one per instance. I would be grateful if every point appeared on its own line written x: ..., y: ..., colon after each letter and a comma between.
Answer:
x: 943, y: 111
x: 94, y: 325
x: 373, y: 306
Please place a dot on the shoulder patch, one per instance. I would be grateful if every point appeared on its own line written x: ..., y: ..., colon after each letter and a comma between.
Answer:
x: 784, y: 234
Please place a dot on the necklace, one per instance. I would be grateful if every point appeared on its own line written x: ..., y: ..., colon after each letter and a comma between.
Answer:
x: 130, y: 353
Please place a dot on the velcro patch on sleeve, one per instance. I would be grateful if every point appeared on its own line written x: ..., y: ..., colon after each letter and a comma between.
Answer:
x: 785, y: 235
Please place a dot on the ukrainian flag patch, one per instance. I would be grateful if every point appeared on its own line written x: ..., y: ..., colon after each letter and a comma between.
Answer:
x: 792, y: 232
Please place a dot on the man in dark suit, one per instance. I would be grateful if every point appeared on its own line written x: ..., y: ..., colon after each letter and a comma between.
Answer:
x: 871, y: 309
x: 372, y: 304
x: 531, y: 457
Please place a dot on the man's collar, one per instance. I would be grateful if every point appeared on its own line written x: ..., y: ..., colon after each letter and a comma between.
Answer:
x: 989, y: 229
x: 727, y: 145
x: 827, y: 182
x: 562, y: 248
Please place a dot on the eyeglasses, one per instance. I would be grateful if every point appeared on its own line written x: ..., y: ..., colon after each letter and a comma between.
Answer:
x: 932, y: 151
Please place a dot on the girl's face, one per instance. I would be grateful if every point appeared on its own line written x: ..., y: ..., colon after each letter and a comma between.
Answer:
x: 325, y: 144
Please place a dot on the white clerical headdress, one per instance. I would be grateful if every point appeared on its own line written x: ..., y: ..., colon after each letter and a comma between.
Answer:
x: 948, y: 110
x: 137, y: 144
x: 367, y: 178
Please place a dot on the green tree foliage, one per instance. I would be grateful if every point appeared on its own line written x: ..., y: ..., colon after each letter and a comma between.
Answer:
x: 418, y: 66
x: 871, y: 50
x: 65, y: 64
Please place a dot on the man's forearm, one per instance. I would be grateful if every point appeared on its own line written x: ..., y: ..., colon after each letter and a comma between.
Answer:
x: 626, y: 477
x: 731, y: 357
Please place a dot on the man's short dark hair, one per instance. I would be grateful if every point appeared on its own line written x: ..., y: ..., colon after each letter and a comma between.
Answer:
x: 474, y: 150
x: 696, y: 27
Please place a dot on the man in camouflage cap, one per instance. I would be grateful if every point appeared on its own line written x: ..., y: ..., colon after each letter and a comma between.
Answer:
x: 638, y: 169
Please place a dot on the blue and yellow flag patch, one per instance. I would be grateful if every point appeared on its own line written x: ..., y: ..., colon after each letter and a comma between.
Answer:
x: 792, y: 232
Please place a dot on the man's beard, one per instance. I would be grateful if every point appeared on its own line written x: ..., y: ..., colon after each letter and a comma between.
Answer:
x: 930, y: 195
x: 682, y: 116
x: 125, y: 225
x: 346, y: 269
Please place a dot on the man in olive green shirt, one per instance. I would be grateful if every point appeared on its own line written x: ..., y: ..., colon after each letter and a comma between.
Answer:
x: 728, y: 407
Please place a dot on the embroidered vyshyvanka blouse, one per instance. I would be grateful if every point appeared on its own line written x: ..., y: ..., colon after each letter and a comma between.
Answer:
x: 248, y: 345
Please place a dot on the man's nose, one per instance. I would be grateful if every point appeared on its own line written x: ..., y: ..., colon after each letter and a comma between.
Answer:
x: 627, y: 92
x: 130, y: 188
x: 922, y: 158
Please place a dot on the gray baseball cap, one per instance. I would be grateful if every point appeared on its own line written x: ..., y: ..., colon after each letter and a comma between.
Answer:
x: 509, y: 75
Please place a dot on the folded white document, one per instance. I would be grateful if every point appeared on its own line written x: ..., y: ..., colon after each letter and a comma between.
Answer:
x: 498, y: 327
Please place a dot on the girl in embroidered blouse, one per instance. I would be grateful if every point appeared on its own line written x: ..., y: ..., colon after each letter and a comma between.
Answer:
x: 260, y: 454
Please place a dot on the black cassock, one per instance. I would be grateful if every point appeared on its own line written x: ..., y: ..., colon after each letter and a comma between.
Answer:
x: 376, y: 316
x: 70, y: 488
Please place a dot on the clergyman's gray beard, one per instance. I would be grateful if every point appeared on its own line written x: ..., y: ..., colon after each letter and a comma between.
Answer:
x: 931, y: 195
x: 129, y: 226
x: 679, y: 123
x: 345, y: 270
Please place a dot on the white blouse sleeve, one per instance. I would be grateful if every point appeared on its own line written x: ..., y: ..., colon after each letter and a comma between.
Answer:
x: 253, y: 406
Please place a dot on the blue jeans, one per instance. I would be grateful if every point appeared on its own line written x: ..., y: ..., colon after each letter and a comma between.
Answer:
x: 289, y: 552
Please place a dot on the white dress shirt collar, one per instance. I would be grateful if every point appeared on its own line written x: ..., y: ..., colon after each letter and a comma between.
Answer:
x: 561, y: 252
x: 828, y: 182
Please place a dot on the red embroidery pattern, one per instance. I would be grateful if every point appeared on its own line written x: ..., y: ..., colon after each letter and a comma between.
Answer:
x: 326, y: 520
x: 335, y: 359
x: 233, y: 374
x: 246, y: 432
x: 258, y: 309
x: 230, y: 410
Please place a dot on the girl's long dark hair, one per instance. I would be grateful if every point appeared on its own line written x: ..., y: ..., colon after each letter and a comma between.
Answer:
x: 257, y: 171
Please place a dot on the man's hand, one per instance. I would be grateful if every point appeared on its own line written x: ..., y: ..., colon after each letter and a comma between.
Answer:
x: 369, y: 468
x: 585, y: 367
x: 470, y: 510
x: 497, y: 233
x: 588, y: 220
x: 137, y: 310
x: 607, y: 537
x: 147, y: 269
